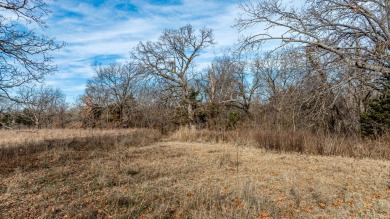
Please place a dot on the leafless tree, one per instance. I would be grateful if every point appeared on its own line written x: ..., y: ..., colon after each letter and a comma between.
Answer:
x: 344, y: 45
x: 155, y: 109
x: 24, y: 53
x: 6, y: 109
x: 221, y: 80
x: 355, y: 32
x: 112, y: 91
x: 170, y: 61
x: 280, y: 76
x: 40, y: 104
x: 229, y: 82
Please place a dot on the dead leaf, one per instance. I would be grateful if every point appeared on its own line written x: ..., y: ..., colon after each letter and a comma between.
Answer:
x: 263, y: 214
x: 338, y: 202
x: 322, y: 205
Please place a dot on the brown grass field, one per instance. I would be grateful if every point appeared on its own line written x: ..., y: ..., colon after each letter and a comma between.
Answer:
x: 10, y: 138
x: 138, y: 174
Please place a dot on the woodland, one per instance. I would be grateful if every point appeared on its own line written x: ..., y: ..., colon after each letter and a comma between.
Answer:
x: 330, y: 75
x: 299, y: 131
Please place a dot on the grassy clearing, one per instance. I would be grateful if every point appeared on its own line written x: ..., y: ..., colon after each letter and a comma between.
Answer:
x: 11, y: 138
x: 189, y: 180
x: 301, y: 142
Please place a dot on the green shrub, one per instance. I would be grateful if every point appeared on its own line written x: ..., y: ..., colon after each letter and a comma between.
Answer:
x: 376, y: 121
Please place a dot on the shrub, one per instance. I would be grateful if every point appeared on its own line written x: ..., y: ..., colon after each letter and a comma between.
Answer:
x: 376, y: 121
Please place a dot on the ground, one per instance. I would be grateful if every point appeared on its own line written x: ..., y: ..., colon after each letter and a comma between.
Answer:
x: 170, y: 179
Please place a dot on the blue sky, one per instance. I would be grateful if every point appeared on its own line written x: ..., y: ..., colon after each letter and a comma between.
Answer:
x: 105, y: 31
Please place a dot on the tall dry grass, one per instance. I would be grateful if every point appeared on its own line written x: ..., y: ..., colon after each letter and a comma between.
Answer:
x: 16, y: 137
x: 14, y: 144
x: 288, y: 141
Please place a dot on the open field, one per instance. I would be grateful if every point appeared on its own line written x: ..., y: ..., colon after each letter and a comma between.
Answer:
x: 9, y: 138
x: 138, y: 175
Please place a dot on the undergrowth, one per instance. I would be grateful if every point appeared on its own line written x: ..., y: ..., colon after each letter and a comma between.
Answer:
x: 287, y: 141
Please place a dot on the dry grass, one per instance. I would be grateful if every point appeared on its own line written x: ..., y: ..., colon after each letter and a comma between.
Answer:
x: 83, y: 140
x: 19, y: 137
x: 190, y: 180
x: 302, y: 142
x: 242, y: 137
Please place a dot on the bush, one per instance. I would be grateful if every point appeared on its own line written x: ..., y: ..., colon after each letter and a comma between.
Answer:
x: 376, y: 121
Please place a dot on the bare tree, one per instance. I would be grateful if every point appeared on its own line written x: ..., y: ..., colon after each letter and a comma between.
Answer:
x: 230, y: 82
x: 280, y: 75
x: 155, y: 109
x: 112, y: 90
x: 344, y: 45
x: 6, y: 112
x: 24, y: 53
x: 355, y: 32
x: 170, y: 60
x: 41, y: 104
x: 221, y: 80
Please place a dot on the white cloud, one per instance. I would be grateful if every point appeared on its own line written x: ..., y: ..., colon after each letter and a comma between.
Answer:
x: 94, y: 31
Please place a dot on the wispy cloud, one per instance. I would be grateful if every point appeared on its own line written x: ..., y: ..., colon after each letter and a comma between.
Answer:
x: 105, y: 31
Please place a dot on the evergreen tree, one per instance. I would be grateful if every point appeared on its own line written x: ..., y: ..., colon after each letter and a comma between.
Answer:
x: 376, y: 121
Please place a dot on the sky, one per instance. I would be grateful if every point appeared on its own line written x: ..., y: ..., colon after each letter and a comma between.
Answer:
x: 104, y: 31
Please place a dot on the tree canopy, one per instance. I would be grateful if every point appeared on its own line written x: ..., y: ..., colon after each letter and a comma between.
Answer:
x: 24, y: 51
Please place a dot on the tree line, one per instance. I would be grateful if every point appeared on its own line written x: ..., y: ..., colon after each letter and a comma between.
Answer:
x: 329, y: 74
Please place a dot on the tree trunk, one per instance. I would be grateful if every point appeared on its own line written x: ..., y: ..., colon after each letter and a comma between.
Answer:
x: 191, y: 116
